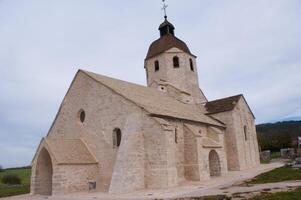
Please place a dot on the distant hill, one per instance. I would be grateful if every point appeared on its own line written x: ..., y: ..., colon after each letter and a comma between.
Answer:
x: 275, y: 136
x: 293, y: 118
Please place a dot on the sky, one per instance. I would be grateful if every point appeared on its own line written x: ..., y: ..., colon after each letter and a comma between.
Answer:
x: 251, y: 47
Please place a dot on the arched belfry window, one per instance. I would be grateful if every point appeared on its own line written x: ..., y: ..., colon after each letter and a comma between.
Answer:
x: 176, y: 62
x: 116, y: 137
x: 157, y: 65
x: 191, y: 64
x: 246, y: 133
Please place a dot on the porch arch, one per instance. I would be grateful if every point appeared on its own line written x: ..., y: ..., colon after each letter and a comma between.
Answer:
x: 43, y: 173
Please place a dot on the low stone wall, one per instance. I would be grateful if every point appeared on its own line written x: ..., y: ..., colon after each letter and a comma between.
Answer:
x: 287, y: 153
x: 265, y: 155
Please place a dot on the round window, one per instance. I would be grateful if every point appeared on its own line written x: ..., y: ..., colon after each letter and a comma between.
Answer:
x: 82, y: 116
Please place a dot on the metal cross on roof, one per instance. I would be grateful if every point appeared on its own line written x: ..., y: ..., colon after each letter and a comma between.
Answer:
x: 164, y: 8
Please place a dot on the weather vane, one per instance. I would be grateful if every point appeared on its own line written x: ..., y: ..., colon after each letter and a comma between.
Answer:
x: 164, y: 8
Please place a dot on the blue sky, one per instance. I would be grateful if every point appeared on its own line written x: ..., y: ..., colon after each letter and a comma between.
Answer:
x: 243, y: 46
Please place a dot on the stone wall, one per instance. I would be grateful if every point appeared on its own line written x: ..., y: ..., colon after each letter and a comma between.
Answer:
x: 222, y: 161
x: 73, y: 178
x: 160, y: 158
x: 191, y: 155
x: 154, y: 152
x: 105, y: 110
x: 248, y: 151
x: 182, y: 78
x: 241, y: 153
x: 191, y: 158
x: 50, y: 178
x: 218, y: 136
x: 230, y: 139
x: 129, y: 169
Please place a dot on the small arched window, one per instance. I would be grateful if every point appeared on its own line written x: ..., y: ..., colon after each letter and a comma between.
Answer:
x: 116, y: 137
x: 157, y: 65
x: 246, y: 133
x: 191, y: 64
x: 176, y: 62
x: 82, y: 116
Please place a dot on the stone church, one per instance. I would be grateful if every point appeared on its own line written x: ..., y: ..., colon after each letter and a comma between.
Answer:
x: 114, y: 136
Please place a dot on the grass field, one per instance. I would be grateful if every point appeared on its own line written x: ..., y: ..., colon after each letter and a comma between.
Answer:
x: 277, y: 175
x: 275, y: 155
x: 7, y: 190
x: 293, y: 195
x: 265, y: 161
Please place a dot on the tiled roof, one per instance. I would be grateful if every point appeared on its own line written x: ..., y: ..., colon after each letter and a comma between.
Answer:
x: 153, y: 101
x: 222, y: 105
x: 75, y: 151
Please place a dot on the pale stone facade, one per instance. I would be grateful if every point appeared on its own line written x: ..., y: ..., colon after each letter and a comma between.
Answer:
x: 113, y: 136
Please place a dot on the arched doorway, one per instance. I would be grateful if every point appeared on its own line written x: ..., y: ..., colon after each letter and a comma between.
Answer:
x: 214, y: 164
x: 44, y: 173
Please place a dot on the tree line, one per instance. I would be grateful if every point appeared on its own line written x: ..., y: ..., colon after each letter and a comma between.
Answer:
x: 275, y: 136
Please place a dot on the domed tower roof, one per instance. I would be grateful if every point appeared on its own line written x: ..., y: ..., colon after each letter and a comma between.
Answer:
x: 166, y: 28
x: 166, y: 41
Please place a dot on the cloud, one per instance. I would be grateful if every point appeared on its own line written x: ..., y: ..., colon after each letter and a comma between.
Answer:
x: 251, y: 47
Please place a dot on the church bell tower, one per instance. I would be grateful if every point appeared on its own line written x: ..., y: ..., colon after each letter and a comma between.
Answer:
x: 171, y: 67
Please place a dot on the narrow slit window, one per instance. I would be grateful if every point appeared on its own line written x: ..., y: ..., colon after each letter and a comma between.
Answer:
x: 157, y: 65
x: 116, y: 137
x: 246, y: 133
x: 176, y: 62
x: 176, y: 135
x: 191, y: 64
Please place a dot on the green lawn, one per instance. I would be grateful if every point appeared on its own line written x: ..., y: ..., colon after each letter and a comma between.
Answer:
x: 293, y: 195
x: 277, y: 175
x: 275, y: 155
x: 24, y: 174
x: 219, y: 197
x: 265, y: 161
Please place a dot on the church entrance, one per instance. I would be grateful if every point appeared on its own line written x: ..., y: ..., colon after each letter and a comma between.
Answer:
x: 44, y: 173
x: 214, y: 164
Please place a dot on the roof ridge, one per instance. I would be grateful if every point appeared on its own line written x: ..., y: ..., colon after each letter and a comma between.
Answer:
x: 127, y: 82
x: 89, y: 72
x: 98, y: 81
x: 238, y: 95
x: 224, y: 104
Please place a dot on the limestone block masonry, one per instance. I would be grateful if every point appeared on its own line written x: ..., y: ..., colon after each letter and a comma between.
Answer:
x: 118, y: 137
